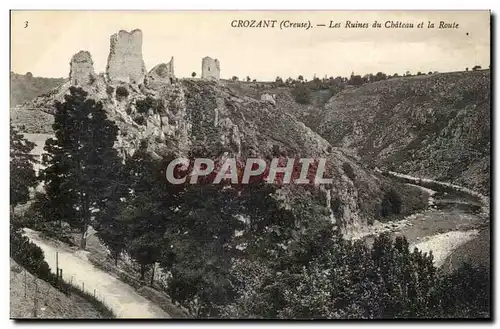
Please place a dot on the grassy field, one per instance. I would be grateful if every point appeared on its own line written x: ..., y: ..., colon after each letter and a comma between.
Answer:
x: 50, y: 302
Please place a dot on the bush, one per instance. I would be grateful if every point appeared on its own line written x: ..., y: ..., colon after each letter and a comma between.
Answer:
x: 144, y: 105
x: 140, y: 120
x: 391, y: 203
x: 122, y: 92
x: 110, y: 90
x: 31, y: 257
x: 349, y: 171
x: 302, y: 94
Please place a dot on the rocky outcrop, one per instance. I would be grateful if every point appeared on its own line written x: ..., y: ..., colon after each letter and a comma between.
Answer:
x: 161, y: 75
x: 125, y: 63
x: 81, y: 69
x: 210, y: 68
x: 268, y: 98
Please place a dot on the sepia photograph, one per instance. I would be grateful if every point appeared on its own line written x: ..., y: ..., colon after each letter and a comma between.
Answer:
x: 250, y: 164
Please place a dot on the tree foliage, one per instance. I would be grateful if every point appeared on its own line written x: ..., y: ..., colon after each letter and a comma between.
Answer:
x: 22, y: 173
x: 82, y: 166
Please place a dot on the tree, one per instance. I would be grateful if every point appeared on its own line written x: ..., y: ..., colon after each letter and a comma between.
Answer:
x: 111, y: 226
x: 380, y: 76
x: 234, y: 78
x: 391, y: 203
x: 476, y: 67
x: 356, y: 80
x: 248, y: 78
x: 193, y: 74
x: 81, y: 163
x: 22, y: 173
x: 300, y: 78
x: 302, y: 94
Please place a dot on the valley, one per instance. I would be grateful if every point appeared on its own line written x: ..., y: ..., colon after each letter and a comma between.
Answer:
x: 124, y: 200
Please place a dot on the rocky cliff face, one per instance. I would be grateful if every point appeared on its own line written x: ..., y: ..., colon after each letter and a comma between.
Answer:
x: 125, y: 63
x: 435, y: 126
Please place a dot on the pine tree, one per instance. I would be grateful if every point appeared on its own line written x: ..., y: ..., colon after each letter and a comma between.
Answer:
x: 81, y: 163
x: 143, y: 219
x: 22, y: 173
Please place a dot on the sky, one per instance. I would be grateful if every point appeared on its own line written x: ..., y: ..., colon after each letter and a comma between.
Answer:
x: 47, y: 44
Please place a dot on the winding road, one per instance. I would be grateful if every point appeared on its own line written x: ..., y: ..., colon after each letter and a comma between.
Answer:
x: 117, y: 295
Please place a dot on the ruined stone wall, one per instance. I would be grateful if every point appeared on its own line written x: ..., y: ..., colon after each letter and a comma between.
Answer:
x: 161, y: 74
x: 81, y: 69
x: 125, y: 62
x: 210, y: 68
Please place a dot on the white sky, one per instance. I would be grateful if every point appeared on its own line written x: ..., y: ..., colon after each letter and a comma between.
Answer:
x: 45, y: 47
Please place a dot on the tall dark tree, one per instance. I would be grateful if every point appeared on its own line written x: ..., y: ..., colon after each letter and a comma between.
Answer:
x: 81, y: 163
x: 22, y: 173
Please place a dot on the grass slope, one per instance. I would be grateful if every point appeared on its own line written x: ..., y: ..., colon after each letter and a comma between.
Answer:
x: 51, y: 302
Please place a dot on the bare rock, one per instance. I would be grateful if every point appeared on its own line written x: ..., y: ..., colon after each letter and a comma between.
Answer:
x: 81, y: 69
x: 268, y: 98
x: 125, y: 62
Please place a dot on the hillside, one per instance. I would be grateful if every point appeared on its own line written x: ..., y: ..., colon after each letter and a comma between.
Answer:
x: 51, y: 302
x: 435, y: 126
x: 25, y: 87
x: 204, y: 118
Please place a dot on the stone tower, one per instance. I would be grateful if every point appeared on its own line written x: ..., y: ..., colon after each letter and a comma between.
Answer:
x: 81, y: 69
x: 210, y: 68
x: 125, y: 63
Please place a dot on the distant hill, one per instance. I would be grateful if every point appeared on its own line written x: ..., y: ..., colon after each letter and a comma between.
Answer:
x: 434, y: 126
x: 26, y: 87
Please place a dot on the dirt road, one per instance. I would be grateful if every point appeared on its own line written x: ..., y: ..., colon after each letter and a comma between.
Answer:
x: 119, y: 296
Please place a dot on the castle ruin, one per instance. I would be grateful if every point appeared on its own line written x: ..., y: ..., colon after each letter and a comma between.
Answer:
x: 161, y: 74
x: 81, y: 69
x: 125, y: 62
x: 210, y: 68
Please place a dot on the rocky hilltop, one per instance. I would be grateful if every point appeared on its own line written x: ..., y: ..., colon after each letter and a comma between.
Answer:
x: 202, y: 117
x: 435, y: 126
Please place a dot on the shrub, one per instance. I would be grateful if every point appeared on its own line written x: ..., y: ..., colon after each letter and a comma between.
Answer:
x: 31, y: 257
x: 122, y: 92
x: 140, y: 120
x: 336, y: 206
x: 144, y: 105
x: 302, y: 94
x: 110, y: 90
x: 391, y: 203
x: 349, y: 171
